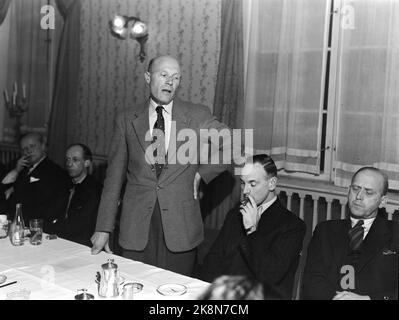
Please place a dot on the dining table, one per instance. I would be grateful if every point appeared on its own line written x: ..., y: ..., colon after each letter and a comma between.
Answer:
x: 57, y: 268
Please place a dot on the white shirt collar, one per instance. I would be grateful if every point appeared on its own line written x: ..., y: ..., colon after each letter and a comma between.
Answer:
x: 166, y: 107
x: 80, y: 180
x: 367, y: 223
x: 265, y: 205
x: 35, y: 165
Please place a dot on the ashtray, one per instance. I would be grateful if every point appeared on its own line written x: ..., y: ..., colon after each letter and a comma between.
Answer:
x: 84, y: 295
x: 21, y: 294
x: 172, y: 289
x: 135, y: 286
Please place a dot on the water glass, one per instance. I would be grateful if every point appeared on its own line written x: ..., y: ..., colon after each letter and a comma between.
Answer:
x: 4, y: 227
x: 36, y: 231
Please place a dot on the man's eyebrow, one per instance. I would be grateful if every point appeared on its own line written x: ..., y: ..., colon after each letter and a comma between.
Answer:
x: 367, y: 189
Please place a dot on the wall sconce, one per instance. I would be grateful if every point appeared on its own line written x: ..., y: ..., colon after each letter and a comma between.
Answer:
x: 138, y: 30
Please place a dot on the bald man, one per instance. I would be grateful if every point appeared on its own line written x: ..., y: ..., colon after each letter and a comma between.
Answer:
x: 356, y: 258
x: 161, y: 221
x: 35, y: 181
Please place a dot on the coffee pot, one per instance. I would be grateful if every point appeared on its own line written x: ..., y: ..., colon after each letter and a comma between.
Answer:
x: 109, y: 280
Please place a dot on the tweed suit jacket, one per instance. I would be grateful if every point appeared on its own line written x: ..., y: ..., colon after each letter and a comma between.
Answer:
x: 128, y: 161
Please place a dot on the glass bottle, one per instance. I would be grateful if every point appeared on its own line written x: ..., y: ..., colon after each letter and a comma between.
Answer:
x: 17, y: 227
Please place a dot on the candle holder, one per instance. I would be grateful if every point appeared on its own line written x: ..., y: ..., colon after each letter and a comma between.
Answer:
x: 17, y: 106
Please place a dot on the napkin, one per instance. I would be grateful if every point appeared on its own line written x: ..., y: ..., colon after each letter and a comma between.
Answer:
x: 3, y: 219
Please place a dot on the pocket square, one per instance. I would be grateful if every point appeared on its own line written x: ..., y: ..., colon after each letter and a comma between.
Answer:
x: 387, y: 252
x: 33, y: 179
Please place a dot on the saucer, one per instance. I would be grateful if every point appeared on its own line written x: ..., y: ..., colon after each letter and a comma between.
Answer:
x: 172, y: 289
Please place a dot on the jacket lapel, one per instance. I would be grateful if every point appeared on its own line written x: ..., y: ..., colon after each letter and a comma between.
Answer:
x: 377, y: 238
x: 340, y: 242
x: 140, y: 124
x: 270, y: 217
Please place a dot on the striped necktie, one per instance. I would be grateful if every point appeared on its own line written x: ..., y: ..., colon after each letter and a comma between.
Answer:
x: 356, y: 236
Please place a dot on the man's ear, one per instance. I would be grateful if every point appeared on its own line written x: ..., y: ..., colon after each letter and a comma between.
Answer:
x: 87, y: 163
x: 272, y: 183
x: 384, y: 200
x: 147, y: 77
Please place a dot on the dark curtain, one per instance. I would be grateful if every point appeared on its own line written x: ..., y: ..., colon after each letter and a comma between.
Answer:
x: 224, y: 191
x: 4, y: 4
x: 65, y: 99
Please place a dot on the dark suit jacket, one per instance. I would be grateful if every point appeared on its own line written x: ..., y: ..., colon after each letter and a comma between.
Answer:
x: 270, y: 254
x: 127, y: 160
x: 38, y: 190
x: 376, y: 271
x: 79, y: 225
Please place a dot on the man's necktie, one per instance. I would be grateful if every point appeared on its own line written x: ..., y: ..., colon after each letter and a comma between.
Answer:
x: 160, y: 125
x: 356, y: 235
x: 71, y: 193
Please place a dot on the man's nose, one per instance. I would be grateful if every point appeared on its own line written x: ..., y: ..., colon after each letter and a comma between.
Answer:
x: 169, y: 80
x: 360, y: 194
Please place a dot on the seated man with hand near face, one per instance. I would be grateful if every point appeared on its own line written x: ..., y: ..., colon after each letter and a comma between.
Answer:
x: 260, y: 239
x: 356, y: 258
x: 35, y: 182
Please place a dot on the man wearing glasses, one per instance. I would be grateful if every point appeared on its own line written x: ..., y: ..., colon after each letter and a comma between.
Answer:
x: 356, y: 259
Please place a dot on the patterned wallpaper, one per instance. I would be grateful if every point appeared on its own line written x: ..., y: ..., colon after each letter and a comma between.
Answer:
x: 111, y: 76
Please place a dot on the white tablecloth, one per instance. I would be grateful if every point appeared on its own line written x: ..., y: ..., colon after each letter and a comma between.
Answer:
x: 56, y: 269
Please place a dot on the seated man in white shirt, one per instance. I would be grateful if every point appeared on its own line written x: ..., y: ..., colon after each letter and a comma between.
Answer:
x: 35, y: 181
x: 260, y: 238
x: 356, y: 258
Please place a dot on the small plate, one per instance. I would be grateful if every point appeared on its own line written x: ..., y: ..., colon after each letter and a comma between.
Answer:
x: 3, y: 278
x: 172, y: 289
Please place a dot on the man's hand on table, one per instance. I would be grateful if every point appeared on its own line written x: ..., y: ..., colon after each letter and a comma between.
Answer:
x: 196, y: 185
x: 100, y: 241
x: 347, y: 295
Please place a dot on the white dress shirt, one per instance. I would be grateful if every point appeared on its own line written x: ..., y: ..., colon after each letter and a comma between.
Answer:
x: 167, y: 115
x: 261, y: 208
x: 367, y: 223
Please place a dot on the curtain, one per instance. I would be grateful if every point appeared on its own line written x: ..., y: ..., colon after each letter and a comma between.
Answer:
x: 4, y: 39
x: 284, y: 43
x: 229, y: 94
x: 368, y: 121
x: 65, y: 99
x: 4, y: 4
x: 28, y: 63
x: 224, y: 191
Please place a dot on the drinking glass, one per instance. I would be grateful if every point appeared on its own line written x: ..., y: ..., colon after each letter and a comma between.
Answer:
x: 36, y: 231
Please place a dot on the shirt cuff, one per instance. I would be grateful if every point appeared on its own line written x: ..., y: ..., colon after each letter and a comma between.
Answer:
x: 10, y: 177
x: 250, y: 230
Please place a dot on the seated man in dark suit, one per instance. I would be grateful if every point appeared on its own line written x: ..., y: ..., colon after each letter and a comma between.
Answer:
x: 356, y: 258
x: 260, y: 239
x: 35, y: 182
x: 75, y: 212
